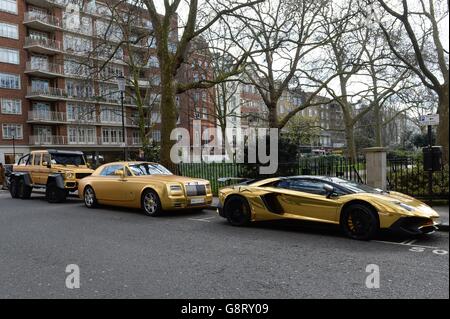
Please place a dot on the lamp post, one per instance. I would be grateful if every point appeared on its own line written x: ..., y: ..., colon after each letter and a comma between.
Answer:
x: 14, y: 147
x: 121, y: 85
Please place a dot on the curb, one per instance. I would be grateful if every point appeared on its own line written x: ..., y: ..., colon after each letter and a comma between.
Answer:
x: 442, y: 227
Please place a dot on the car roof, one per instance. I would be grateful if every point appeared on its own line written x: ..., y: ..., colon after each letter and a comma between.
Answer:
x: 129, y: 163
x: 325, y: 178
x: 52, y: 151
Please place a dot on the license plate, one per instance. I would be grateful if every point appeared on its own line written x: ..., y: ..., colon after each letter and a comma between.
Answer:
x: 197, y: 200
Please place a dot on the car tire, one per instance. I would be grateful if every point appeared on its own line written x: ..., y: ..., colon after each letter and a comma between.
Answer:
x: 90, y: 201
x: 150, y: 203
x: 359, y: 221
x: 23, y: 190
x: 13, y: 188
x: 237, y: 211
x: 54, y: 194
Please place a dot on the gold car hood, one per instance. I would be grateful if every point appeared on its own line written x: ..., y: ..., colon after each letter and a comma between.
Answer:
x: 171, y: 179
x: 393, y: 200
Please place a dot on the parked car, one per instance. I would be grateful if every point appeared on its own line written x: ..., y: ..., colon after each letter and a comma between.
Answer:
x: 360, y: 210
x: 58, y: 172
x: 145, y: 185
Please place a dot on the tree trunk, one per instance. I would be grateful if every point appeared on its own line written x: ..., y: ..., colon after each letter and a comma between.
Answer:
x: 442, y: 130
x: 350, y: 139
x: 378, y: 125
x: 168, y: 114
x: 273, y: 116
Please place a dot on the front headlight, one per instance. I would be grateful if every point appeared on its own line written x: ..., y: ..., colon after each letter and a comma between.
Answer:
x: 70, y: 175
x: 175, y: 188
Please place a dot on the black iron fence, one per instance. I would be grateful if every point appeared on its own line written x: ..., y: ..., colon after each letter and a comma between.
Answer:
x: 324, y: 165
x: 406, y: 175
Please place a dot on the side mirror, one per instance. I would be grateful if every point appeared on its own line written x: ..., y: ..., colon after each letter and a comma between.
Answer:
x: 46, y: 164
x: 329, y: 190
x: 119, y: 173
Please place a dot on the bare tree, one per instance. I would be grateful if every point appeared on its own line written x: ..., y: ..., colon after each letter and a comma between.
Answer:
x: 425, y: 54
x: 285, y: 33
x: 387, y: 79
x: 199, y: 19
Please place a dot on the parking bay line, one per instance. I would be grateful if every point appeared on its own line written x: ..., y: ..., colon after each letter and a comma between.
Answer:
x: 404, y: 244
x: 203, y: 219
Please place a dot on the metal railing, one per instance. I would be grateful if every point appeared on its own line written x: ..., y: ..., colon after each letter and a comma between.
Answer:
x: 31, y: 16
x: 44, y: 42
x: 86, y: 141
x: 44, y: 67
x: 324, y: 166
x: 406, y: 175
x: 49, y: 92
x: 46, y: 116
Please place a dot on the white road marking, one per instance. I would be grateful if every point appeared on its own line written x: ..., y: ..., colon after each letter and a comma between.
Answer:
x: 403, y: 244
x: 202, y: 219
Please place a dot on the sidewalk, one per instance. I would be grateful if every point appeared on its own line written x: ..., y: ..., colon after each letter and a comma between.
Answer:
x: 443, y: 213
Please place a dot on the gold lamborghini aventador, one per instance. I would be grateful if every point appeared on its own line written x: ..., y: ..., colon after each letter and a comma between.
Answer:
x: 360, y: 210
x: 149, y: 186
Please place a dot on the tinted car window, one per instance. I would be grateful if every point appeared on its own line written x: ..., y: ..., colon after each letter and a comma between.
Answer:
x: 37, y: 159
x: 149, y: 169
x: 109, y: 170
x: 46, y: 159
x: 311, y: 186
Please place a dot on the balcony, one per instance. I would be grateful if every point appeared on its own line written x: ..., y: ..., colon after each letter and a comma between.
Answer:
x: 45, y: 94
x: 60, y: 140
x: 47, y: 140
x: 43, y: 46
x: 44, y: 69
x: 55, y: 94
x: 49, y: 3
x: 41, y: 21
x: 46, y: 117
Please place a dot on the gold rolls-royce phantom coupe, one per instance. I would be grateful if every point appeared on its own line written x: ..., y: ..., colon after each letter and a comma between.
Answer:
x: 145, y: 185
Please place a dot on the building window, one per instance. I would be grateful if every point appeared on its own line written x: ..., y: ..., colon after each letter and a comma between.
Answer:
x: 9, y: 56
x: 156, y: 135
x: 9, y: 81
x: 76, y: 44
x: 12, y: 130
x: 8, y: 30
x: 136, y: 138
x: 11, y: 106
x: 153, y: 62
x: 110, y: 114
x: 156, y: 117
x: 9, y: 6
x: 80, y: 112
x: 81, y: 135
x: 112, y: 135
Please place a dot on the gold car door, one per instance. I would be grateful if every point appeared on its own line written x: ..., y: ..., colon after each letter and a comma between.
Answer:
x: 306, y: 198
x: 110, y: 187
x: 44, y: 168
x: 35, y: 170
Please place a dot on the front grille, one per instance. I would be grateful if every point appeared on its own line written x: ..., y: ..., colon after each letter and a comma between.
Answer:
x: 195, y: 190
x: 81, y: 175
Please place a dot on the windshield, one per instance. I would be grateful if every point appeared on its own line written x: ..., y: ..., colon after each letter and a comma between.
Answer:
x: 356, y: 187
x: 68, y: 159
x: 149, y: 169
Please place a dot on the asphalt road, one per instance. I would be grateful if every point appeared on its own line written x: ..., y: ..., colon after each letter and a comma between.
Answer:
x: 125, y: 254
